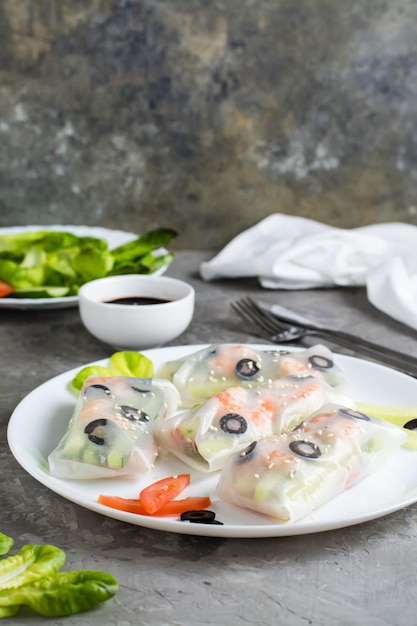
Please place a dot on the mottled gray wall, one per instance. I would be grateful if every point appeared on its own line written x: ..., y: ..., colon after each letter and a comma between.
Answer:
x: 207, y: 116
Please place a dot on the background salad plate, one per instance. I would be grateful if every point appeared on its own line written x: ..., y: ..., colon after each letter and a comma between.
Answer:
x: 41, y: 418
x: 114, y: 239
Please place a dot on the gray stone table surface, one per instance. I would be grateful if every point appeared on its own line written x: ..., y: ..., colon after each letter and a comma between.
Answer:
x: 363, y: 574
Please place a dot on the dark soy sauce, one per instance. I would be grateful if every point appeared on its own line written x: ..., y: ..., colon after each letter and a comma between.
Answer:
x: 137, y: 300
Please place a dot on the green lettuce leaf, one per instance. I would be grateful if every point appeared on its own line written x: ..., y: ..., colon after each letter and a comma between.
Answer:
x: 31, y: 578
x: 90, y: 370
x: 123, y: 363
x: 30, y: 563
x: 55, y: 264
x: 6, y: 543
x: 65, y: 593
x: 130, y: 363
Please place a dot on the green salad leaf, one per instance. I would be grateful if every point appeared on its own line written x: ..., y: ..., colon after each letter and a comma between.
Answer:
x: 30, y: 563
x: 136, y: 257
x: 90, y: 370
x: 130, y: 363
x: 31, y: 578
x: 55, y: 264
x: 65, y: 593
x: 123, y: 363
x: 6, y: 544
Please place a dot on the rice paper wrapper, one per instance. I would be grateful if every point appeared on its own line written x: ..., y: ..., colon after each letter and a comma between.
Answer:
x: 206, y: 372
x: 205, y: 436
x: 287, y: 477
x: 110, y: 433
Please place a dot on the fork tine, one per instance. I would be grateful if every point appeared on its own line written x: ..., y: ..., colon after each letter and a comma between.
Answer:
x: 245, y: 309
x: 243, y: 313
x: 258, y: 323
x: 241, y: 307
x: 255, y: 328
x: 268, y: 320
x: 393, y: 358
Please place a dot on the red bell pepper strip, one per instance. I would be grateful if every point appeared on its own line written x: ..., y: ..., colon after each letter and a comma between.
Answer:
x: 174, y: 507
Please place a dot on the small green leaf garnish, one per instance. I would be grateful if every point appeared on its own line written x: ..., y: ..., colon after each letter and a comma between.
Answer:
x: 130, y: 363
x: 123, y: 363
x: 90, y: 370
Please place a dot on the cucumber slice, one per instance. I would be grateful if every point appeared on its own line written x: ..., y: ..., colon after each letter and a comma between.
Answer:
x: 41, y: 292
x: 74, y: 445
x: 116, y: 458
x: 398, y: 415
x: 91, y: 456
x: 211, y: 447
x: 187, y: 430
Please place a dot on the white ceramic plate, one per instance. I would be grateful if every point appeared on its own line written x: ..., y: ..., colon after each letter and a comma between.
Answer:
x: 114, y: 239
x: 41, y: 418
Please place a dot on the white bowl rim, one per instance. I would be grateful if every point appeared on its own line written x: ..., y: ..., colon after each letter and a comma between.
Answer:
x: 84, y: 293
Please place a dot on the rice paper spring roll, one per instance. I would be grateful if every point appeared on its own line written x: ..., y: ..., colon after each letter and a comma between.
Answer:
x: 205, y: 436
x: 287, y: 477
x: 110, y: 431
x: 204, y: 373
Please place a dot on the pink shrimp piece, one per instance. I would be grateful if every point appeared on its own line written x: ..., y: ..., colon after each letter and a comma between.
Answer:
x: 93, y: 410
x: 318, y: 421
x: 100, y: 409
x: 232, y: 396
x: 279, y: 457
x: 306, y: 391
x: 290, y: 367
x: 265, y: 413
x: 224, y: 361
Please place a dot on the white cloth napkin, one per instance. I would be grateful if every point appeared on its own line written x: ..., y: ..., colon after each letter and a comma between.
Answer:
x: 287, y: 252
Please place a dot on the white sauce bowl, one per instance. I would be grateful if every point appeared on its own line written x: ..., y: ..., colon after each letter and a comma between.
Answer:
x: 136, y: 326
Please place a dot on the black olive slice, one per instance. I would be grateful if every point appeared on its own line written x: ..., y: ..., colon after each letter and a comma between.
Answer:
x: 319, y: 362
x: 233, y: 423
x: 411, y: 425
x: 247, y: 453
x: 91, y: 427
x: 103, y: 387
x: 140, y: 389
x: 298, y: 377
x: 133, y: 414
x: 247, y: 369
x: 97, y: 387
x: 306, y: 449
x: 355, y: 414
x: 199, y: 517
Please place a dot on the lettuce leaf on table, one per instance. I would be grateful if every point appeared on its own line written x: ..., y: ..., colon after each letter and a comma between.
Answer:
x: 31, y: 578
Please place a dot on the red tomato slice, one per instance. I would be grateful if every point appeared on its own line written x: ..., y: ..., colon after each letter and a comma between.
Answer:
x: 155, y: 496
x: 175, y: 507
x: 192, y: 503
x: 5, y: 289
x: 130, y: 505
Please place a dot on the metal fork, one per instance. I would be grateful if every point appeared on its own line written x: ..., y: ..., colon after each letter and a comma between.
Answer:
x: 274, y: 329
